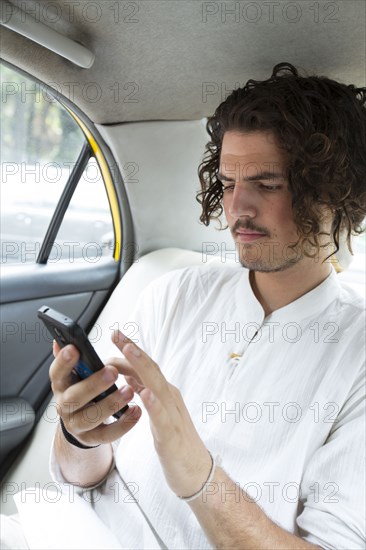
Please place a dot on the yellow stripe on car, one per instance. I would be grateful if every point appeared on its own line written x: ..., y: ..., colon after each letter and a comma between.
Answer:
x: 112, y: 197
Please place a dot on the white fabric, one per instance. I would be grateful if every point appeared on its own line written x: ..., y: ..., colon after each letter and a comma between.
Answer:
x: 49, y: 522
x: 287, y: 418
x: 11, y: 533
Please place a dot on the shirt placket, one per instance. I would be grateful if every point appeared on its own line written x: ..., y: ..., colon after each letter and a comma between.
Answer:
x: 237, y: 357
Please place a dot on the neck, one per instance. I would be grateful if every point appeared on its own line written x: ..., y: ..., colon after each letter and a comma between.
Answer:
x: 277, y: 289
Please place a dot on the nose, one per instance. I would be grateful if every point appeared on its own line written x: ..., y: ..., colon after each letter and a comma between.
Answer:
x: 241, y: 203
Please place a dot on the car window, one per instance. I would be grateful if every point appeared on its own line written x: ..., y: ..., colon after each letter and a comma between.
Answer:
x: 40, y: 146
x: 89, y: 209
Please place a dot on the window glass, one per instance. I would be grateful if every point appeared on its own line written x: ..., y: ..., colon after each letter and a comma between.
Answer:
x: 40, y: 144
x: 86, y: 232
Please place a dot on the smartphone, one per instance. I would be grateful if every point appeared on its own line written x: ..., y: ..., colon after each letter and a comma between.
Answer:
x: 66, y: 331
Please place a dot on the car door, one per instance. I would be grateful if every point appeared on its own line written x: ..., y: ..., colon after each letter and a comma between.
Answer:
x: 61, y: 239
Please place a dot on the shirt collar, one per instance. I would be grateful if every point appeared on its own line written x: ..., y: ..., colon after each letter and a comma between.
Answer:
x: 308, y: 305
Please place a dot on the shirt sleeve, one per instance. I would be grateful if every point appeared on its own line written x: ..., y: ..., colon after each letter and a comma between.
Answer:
x: 333, y: 486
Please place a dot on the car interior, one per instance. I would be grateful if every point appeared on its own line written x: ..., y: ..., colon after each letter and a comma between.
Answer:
x: 104, y: 111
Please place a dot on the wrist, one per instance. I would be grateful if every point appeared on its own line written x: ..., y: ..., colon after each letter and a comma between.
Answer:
x: 72, y: 440
x: 206, y: 483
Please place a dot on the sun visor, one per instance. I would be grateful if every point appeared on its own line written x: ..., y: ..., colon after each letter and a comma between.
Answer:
x: 23, y: 23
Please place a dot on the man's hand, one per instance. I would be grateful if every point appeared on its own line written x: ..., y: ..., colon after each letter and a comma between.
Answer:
x: 185, y: 460
x: 85, y: 420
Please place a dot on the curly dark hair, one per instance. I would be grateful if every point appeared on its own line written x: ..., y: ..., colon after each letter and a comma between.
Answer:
x: 321, y: 123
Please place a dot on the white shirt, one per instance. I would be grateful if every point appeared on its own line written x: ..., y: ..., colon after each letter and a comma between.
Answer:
x: 287, y: 417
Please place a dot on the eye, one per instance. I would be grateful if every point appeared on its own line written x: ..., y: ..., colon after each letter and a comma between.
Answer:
x: 270, y: 187
x: 228, y: 187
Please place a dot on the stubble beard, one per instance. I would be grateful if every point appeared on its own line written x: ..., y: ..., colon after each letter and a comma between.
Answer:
x: 266, y: 259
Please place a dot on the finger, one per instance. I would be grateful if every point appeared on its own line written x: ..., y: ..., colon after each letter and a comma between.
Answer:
x: 93, y: 414
x: 147, y: 370
x: 120, y: 340
x: 97, y: 434
x: 136, y: 386
x: 55, y: 348
x: 121, y: 426
x: 81, y: 393
x: 124, y: 367
x: 61, y: 368
x: 161, y: 422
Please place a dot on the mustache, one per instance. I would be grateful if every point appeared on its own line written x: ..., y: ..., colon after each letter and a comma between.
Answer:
x: 249, y: 226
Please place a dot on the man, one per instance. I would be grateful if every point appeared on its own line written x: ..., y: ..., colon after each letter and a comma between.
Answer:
x: 254, y: 442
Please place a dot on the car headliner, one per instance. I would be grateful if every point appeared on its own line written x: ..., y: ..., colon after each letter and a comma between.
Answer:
x: 176, y: 59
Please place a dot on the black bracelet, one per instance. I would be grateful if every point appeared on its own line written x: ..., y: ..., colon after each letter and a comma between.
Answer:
x: 71, y: 439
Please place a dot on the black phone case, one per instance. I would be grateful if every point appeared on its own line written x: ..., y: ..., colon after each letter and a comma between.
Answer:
x: 66, y: 331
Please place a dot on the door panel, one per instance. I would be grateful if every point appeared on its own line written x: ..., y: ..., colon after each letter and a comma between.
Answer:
x: 21, y: 283
x: 26, y: 346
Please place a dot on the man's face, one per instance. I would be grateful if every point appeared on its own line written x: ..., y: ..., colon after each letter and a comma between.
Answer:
x: 257, y: 201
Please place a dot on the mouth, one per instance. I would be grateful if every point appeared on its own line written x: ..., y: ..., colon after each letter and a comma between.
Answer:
x: 248, y: 236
